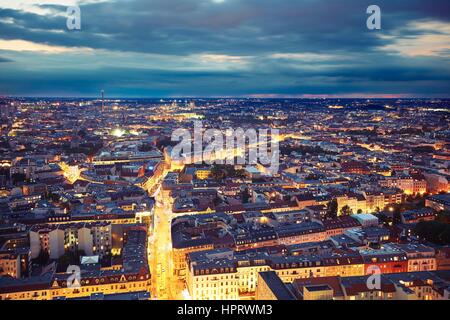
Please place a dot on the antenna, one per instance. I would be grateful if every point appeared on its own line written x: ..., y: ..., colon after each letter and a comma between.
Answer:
x: 103, y: 100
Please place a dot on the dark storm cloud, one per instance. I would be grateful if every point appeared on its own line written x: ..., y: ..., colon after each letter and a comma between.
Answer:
x: 254, y: 28
x: 233, y: 27
x: 5, y: 60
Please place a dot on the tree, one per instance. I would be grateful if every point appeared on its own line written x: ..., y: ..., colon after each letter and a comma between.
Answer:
x: 82, y: 133
x: 443, y: 216
x: 346, y: 211
x: 165, y: 142
x: 239, y: 173
x: 359, y: 211
x: 69, y: 258
x: 145, y: 147
x: 384, y: 219
x: 433, y: 231
x: 220, y: 172
x: 18, y: 177
x: 53, y: 197
x: 245, y: 195
x: 397, y: 215
x: 217, y: 172
x: 42, y: 258
x: 64, y: 261
x: 332, y: 209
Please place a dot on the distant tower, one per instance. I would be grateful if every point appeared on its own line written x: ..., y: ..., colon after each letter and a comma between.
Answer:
x: 103, y: 101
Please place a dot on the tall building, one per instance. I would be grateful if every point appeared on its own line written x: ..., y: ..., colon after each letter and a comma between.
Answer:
x: 103, y: 101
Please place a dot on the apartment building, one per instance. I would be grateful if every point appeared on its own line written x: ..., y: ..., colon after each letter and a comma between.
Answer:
x: 56, y: 239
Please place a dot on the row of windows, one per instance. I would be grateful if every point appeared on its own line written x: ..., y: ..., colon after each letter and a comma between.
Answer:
x: 215, y: 285
x: 207, y: 271
x: 215, y: 277
x: 76, y: 292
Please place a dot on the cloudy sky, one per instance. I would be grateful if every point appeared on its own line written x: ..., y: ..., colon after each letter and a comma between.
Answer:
x: 155, y: 48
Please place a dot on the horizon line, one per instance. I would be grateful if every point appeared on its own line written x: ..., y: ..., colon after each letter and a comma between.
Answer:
x: 262, y: 96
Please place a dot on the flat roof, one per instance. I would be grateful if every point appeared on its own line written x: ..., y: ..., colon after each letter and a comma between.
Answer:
x: 277, y: 286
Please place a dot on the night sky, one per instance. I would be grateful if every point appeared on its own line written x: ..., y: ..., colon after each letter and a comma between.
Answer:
x: 207, y: 48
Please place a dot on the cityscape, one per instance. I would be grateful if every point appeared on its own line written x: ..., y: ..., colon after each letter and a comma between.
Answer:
x: 361, y: 190
x: 252, y: 151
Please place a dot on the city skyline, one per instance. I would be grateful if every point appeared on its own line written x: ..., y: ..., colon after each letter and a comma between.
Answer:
x: 224, y: 199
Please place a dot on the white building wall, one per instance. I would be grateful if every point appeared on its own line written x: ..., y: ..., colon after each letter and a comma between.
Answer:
x: 85, y: 241
x: 35, y: 244
x: 56, y: 243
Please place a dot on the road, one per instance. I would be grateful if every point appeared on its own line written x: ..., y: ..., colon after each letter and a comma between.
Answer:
x: 165, y: 286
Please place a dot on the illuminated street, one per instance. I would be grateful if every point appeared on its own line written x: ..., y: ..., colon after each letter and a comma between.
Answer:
x: 164, y: 284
